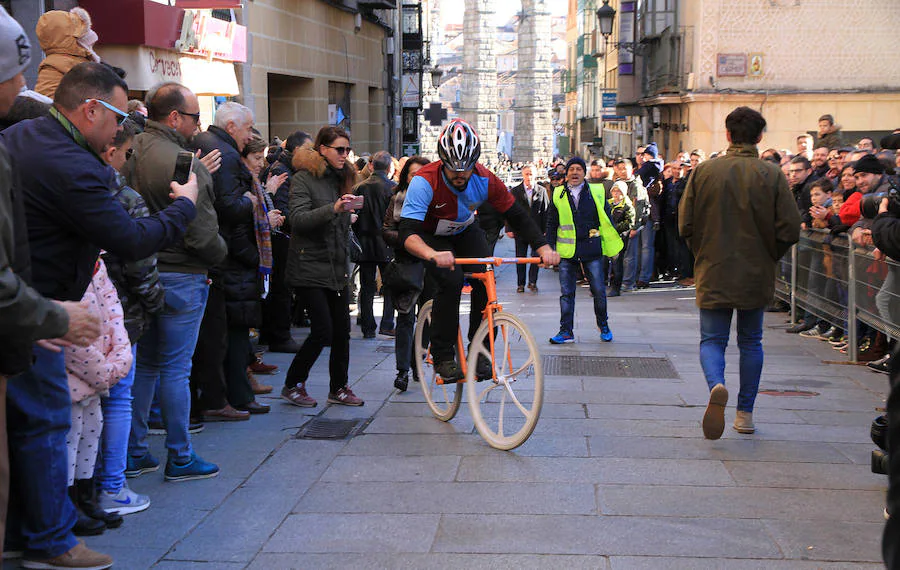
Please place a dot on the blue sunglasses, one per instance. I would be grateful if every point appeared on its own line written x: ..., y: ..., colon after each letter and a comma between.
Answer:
x: 122, y: 115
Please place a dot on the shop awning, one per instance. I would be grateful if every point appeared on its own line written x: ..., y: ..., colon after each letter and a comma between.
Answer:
x: 148, y: 66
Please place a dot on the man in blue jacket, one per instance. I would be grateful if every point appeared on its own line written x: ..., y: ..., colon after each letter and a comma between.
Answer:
x: 71, y: 214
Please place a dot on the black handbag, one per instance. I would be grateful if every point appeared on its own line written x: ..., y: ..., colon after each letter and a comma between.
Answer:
x: 354, y: 248
x: 405, y: 279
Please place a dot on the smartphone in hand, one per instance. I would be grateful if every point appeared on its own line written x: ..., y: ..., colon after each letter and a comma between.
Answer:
x: 184, y: 163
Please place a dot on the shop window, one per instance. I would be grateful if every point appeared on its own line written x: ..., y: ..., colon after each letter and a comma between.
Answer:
x: 339, y: 104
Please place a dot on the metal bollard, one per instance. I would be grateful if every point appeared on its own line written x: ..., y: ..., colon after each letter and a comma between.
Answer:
x: 852, y: 341
x: 794, y: 283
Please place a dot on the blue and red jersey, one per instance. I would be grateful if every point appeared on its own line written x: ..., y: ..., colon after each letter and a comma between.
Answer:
x: 445, y: 211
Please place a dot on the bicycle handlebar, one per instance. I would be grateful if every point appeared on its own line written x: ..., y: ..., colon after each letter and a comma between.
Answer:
x: 496, y: 260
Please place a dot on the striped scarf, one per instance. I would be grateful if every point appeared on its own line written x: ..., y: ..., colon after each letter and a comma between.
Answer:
x: 262, y: 230
x: 74, y: 133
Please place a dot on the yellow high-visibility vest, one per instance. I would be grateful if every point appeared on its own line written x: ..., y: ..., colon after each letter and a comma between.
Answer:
x: 565, y: 233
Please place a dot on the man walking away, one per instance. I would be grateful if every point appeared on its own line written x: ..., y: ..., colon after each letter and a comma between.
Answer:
x: 739, y: 217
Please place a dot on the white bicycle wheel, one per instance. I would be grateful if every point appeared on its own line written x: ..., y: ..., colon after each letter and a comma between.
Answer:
x: 505, y: 407
x: 443, y: 399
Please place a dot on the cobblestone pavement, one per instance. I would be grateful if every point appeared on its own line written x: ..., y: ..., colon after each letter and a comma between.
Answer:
x: 616, y: 476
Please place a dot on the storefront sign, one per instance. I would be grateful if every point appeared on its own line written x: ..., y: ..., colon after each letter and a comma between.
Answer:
x: 209, y: 37
x: 609, y: 100
x: 147, y: 67
x: 410, y: 90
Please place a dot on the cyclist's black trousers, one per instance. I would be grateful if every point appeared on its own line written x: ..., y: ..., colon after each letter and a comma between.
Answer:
x: 445, y: 314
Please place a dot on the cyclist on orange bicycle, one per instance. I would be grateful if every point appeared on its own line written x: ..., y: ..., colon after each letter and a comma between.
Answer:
x: 437, y: 224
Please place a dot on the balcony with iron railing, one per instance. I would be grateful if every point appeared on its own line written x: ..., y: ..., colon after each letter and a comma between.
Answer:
x: 668, y: 62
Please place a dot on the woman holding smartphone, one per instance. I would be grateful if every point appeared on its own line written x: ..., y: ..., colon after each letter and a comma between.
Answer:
x: 321, y: 202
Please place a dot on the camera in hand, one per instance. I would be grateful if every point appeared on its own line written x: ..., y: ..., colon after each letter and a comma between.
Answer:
x: 870, y: 203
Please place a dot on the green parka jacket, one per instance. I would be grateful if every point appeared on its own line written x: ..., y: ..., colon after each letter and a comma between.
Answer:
x: 317, y: 255
x: 739, y: 217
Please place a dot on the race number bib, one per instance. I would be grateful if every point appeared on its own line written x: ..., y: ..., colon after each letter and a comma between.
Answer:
x: 451, y: 228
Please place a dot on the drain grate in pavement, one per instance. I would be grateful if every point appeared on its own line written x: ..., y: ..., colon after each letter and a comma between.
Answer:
x: 324, y: 428
x: 385, y: 348
x: 612, y: 366
x: 800, y: 393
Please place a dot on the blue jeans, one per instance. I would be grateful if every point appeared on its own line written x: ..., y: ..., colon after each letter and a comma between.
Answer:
x: 39, y: 409
x: 110, y: 471
x: 715, y: 329
x: 638, y: 260
x: 164, y: 355
x: 593, y: 270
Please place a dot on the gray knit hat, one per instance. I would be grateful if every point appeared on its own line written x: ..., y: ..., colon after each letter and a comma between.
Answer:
x: 15, y: 51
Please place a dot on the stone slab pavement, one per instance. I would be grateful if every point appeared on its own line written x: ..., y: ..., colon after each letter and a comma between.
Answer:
x: 616, y: 476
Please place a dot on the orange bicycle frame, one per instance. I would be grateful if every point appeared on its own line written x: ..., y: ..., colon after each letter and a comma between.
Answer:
x: 490, y: 285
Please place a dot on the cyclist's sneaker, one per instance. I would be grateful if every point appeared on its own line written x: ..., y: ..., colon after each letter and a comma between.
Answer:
x: 483, y: 368
x: 605, y: 334
x: 137, y: 466
x: 125, y: 502
x: 562, y: 337
x: 345, y: 397
x: 195, y: 468
x: 449, y: 371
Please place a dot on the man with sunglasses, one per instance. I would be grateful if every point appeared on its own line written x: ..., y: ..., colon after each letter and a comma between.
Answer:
x: 164, y: 352
x: 437, y: 224
x: 71, y: 214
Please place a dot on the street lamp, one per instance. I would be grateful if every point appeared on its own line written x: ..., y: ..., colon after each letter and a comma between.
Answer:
x: 606, y: 14
x: 436, y: 73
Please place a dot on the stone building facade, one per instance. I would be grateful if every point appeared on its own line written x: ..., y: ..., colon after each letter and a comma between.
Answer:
x: 533, y: 138
x: 479, y: 86
x: 706, y: 57
x: 312, y: 60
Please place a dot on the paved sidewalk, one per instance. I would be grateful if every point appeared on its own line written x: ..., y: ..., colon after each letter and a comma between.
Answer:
x: 616, y: 476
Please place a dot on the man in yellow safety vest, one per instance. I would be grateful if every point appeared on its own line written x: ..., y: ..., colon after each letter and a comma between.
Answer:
x: 580, y: 230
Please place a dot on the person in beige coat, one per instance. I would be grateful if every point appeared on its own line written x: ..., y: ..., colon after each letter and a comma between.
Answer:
x: 67, y: 39
x: 739, y: 217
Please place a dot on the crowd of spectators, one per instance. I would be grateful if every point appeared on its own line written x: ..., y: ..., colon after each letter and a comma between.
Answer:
x: 142, y: 303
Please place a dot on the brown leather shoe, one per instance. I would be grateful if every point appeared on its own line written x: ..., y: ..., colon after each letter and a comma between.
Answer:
x: 80, y: 556
x: 256, y: 385
x: 255, y: 407
x: 260, y: 367
x: 226, y: 414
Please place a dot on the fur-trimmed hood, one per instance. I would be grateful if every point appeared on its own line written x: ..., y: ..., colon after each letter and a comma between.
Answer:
x: 307, y: 158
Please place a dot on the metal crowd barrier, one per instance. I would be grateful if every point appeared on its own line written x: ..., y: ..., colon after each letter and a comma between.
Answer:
x: 841, y: 283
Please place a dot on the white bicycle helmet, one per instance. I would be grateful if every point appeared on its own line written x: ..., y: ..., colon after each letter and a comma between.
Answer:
x: 459, y: 146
